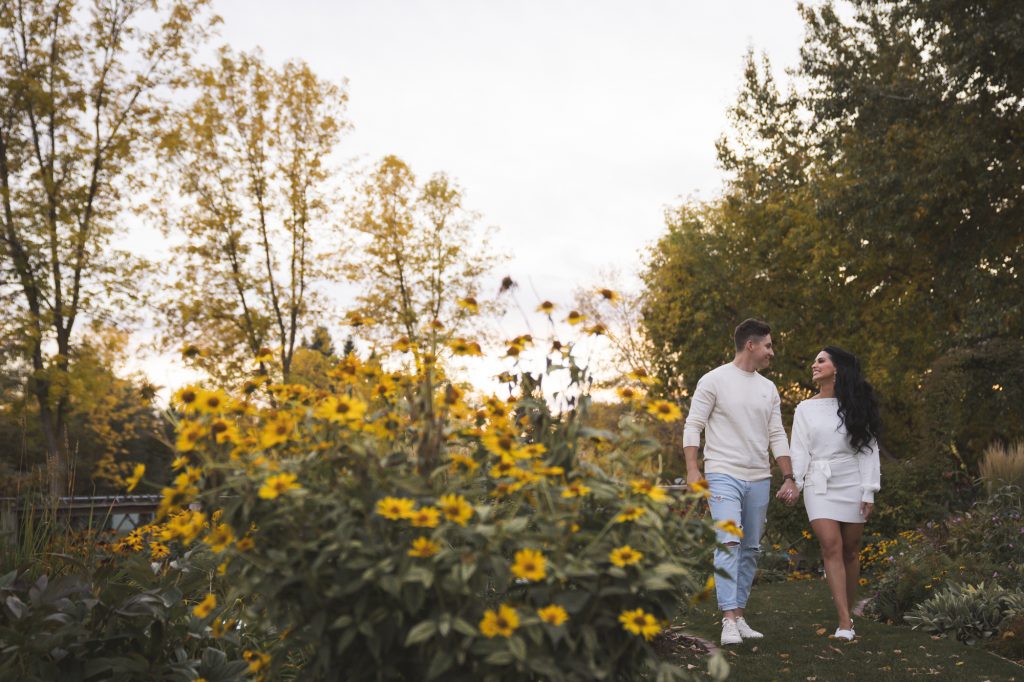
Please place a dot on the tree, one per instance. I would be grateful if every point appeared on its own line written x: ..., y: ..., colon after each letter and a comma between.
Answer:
x: 81, y: 90
x: 877, y: 205
x: 250, y: 158
x: 421, y: 257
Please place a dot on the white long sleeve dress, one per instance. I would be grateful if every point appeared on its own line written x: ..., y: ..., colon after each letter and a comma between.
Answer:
x: 834, y: 477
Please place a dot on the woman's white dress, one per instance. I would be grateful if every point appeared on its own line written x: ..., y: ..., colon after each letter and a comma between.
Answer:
x: 834, y: 477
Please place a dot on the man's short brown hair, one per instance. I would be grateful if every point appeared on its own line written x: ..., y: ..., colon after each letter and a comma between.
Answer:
x: 750, y: 329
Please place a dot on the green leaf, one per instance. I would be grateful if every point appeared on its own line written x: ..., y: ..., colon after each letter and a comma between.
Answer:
x: 421, y: 632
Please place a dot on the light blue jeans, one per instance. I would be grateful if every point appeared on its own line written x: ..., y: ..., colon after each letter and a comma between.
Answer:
x: 746, y: 504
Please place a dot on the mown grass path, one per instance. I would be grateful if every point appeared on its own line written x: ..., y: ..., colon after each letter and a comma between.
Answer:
x: 797, y: 619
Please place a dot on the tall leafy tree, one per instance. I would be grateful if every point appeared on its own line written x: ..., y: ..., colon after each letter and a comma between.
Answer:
x: 81, y: 89
x: 250, y: 158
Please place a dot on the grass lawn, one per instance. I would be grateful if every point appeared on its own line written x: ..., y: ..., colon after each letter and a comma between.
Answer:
x: 797, y: 619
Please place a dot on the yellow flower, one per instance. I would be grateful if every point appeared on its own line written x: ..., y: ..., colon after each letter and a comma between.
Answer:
x: 624, y: 556
x: 424, y: 547
x: 461, y: 346
x: 456, y: 509
x: 257, y: 661
x: 220, y: 627
x: 664, y: 410
x: 596, y: 329
x: 220, y: 537
x: 638, y: 622
x: 530, y: 565
x: 186, y: 399
x: 212, y: 402
x: 575, y: 317
x: 807, y: 536
x: 700, y: 487
x: 469, y: 304
x: 862, y: 582
x: 245, y: 544
x: 553, y: 614
x: 501, y: 622
x: 137, y: 474
x: 647, y: 488
x: 276, y: 430
x: 395, y: 508
x: 575, y: 489
x: 642, y: 376
x: 425, y: 517
x: 277, y: 484
x: 179, y: 462
x: 340, y: 409
x: 500, y: 443
x: 546, y: 307
x: 457, y: 460
x: 628, y: 393
x: 630, y: 513
x: 265, y: 355
x: 158, y: 550
x: 203, y: 608
x: 402, y: 345
x: 729, y: 526
x: 609, y: 295
x: 533, y: 450
x: 189, y: 434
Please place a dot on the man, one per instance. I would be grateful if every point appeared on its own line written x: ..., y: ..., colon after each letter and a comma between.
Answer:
x: 739, y: 411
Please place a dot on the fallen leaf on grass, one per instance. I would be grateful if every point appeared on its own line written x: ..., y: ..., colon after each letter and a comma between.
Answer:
x: 820, y: 631
x: 783, y: 655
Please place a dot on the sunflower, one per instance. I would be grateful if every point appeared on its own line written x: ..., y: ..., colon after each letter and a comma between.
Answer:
x: 575, y: 317
x: 609, y: 295
x: 553, y: 614
x: 278, y: 484
x: 630, y: 513
x: 395, y: 508
x: 501, y: 622
x: 276, y: 430
x: 729, y: 526
x: 456, y: 509
x: 341, y: 410
x: 423, y: 548
x: 530, y: 565
x: 469, y: 304
x: 575, y: 489
x: 639, y: 622
x: 137, y: 473
x: 546, y: 307
x: 424, y: 517
x: 220, y: 538
x: 205, y: 607
x: 664, y: 410
x: 647, y: 488
x: 624, y: 556
x: 628, y: 393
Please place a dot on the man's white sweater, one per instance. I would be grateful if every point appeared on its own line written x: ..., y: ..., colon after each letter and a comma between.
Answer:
x: 740, y: 413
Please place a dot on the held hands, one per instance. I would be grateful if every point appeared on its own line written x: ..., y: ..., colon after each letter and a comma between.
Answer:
x: 788, y: 493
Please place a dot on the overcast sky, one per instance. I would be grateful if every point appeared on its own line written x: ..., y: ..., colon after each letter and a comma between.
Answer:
x: 571, y: 125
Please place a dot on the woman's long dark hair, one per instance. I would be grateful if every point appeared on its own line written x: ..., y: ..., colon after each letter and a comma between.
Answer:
x: 858, y: 407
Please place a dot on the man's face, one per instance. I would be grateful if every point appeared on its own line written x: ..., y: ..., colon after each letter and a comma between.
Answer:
x: 761, y: 350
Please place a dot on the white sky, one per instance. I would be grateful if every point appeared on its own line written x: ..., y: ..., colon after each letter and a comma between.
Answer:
x: 571, y: 125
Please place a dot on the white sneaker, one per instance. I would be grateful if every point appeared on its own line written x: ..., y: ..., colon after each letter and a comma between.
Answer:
x: 730, y: 634
x: 848, y: 635
x: 747, y: 632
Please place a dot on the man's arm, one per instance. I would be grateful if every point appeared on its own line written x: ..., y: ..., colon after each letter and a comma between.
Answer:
x: 701, y: 404
x: 788, y: 492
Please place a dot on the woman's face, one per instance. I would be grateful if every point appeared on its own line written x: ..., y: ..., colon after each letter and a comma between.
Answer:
x: 822, y: 369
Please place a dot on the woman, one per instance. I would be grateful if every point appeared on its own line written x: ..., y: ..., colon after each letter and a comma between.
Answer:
x: 835, y: 463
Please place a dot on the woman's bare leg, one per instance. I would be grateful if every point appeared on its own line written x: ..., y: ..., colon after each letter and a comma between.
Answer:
x: 851, y: 533
x: 831, y: 540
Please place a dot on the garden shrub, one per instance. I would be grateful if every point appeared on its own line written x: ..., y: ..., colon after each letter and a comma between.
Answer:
x: 385, y: 529
x: 972, y: 612
x: 979, y: 545
x: 126, y: 619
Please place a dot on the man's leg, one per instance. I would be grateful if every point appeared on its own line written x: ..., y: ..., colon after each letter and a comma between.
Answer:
x: 725, y: 505
x: 755, y: 509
